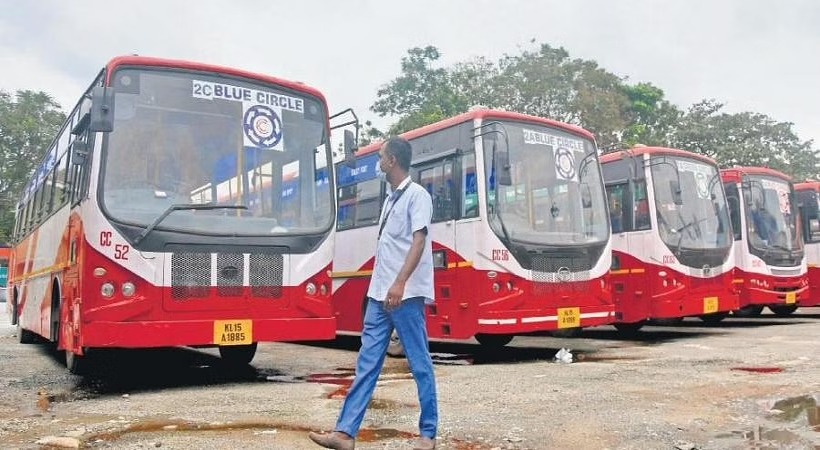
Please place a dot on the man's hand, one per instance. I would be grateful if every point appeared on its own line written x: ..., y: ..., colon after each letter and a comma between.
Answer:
x: 394, y: 295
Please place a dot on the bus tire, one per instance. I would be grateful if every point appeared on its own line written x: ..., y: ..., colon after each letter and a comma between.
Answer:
x: 783, y: 310
x: 237, y: 355
x: 493, y: 340
x: 76, y: 364
x: 23, y: 336
x: 629, y: 329
x: 395, y: 349
x: 713, y: 317
x: 748, y: 311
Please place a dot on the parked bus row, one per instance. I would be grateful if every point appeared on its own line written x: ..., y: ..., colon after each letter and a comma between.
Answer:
x: 184, y: 204
x: 535, y: 232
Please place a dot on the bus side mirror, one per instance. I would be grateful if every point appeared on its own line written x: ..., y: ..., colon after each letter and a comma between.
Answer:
x: 502, y: 168
x: 102, y: 109
x: 350, y: 149
x: 674, y: 187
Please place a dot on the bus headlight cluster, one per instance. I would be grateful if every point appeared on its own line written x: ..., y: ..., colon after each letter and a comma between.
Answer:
x: 107, y: 290
x: 128, y: 289
x: 310, y: 289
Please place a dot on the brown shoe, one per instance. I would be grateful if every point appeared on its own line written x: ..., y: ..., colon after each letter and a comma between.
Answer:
x: 335, y: 440
x: 424, y: 443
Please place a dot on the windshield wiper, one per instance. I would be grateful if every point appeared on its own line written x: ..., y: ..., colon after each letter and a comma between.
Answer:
x: 183, y: 207
x: 694, y: 223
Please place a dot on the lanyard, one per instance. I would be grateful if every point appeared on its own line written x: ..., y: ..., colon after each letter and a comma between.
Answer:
x: 392, y: 204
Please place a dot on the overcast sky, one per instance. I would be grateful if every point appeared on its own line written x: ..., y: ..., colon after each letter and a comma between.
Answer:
x: 752, y: 55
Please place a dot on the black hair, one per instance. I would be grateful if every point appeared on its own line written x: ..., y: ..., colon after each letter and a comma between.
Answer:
x: 401, y: 149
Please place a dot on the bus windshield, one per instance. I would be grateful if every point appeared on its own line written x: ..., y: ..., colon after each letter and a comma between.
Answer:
x: 192, y: 138
x: 771, y: 218
x: 556, y: 196
x: 691, y: 206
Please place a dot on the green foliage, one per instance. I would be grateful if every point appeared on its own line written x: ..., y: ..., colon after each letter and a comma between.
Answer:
x: 545, y: 81
x: 746, y: 139
x: 28, y: 123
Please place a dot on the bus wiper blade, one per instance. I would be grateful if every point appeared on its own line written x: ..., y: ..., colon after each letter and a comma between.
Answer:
x: 694, y: 223
x: 183, y: 207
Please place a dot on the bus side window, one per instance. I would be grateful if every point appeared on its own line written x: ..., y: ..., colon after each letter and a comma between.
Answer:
x: 469, y: 187
x: 439, y: 182
x: 359, y: 204
x: 733, y: 199
x: 641, y: 206
x: 618, y: 214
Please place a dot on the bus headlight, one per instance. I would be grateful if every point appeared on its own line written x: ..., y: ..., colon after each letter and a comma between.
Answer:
x: 128, y: 289
x: 107, y: 290
x: 310, y: 289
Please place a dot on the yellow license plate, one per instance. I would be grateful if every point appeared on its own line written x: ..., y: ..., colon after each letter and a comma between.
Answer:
x: 791, y: 298
x: 569, y: 317
x: 710, y: 305
x: 233, y: 332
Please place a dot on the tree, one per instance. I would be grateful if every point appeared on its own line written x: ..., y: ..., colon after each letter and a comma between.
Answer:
x: 421, y: 95
x: 746, y: 139
x: 651, y: 119
x: 543, y: 82
x: 28, y: 123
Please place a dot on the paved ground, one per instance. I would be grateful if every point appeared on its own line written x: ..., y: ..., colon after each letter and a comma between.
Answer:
x: 743, y: 384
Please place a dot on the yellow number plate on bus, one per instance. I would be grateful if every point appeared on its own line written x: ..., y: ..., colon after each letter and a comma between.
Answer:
x: 710, y: 305
x: 791, y: 298
x: 233, y: 332
x: 569, y: 317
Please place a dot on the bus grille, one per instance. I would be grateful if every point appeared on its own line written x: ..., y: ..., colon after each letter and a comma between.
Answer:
x: 550, y: 270
x: 230, y: 271
x: 266, y: 274
x: 190, y: 275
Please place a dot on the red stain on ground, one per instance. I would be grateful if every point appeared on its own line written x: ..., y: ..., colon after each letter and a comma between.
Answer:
x: 759, y: 369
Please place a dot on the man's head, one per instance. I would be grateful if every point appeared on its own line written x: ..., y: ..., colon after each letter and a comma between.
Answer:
x: 394, y: 159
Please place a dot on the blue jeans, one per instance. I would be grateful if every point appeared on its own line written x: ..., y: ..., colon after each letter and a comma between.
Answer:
x: 410, y: 323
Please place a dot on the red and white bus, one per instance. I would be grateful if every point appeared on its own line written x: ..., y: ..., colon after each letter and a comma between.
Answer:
x: 671, y: 237
x: 769, y: 256
x: 161, y: 215
x: 808, y: 198
x: 521, y: 239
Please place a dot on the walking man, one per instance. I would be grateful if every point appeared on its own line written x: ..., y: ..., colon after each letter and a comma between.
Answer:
x: 401, y: 284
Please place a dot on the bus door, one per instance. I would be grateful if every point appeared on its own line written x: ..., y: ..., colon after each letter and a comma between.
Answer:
x: 445, y: 317
x: 629, y: 217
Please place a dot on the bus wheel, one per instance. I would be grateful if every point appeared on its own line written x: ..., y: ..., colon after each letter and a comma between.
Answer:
x: 23, y: 336
x: 629, y: 329
x: 237, y: 355
x: 394, y: 348
x: 748, y: 311
x: 783, y: 310
x: 76, y: 364
x: 493, y: 340
x: 714, y: 317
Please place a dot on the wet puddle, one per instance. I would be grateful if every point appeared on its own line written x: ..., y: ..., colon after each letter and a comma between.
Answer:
x: 804, y: 410
x: 799, y: 419
x: 366, y: 435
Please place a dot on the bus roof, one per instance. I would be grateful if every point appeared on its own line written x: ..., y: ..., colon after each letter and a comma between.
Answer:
x: 118, y: 61
x: 656, y: 151
x: 808, y: 186
x: 481, y: 114
x: 736, y: 173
